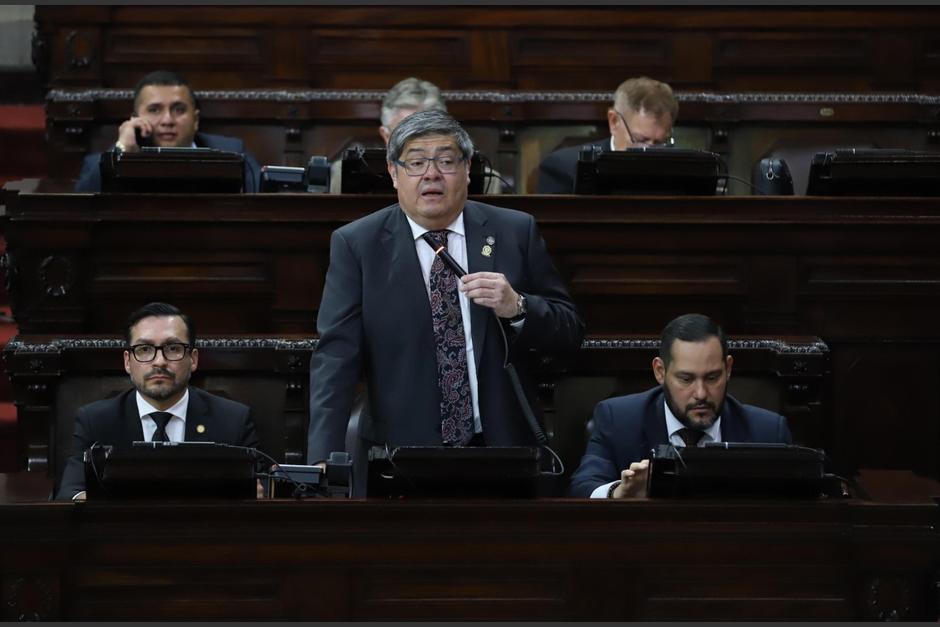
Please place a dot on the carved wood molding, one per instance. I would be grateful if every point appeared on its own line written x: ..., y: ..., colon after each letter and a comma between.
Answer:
x: 17, y: 344
x: 510, y: 97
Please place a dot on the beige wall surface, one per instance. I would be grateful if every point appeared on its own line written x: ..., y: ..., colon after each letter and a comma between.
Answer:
x: 16, y: 31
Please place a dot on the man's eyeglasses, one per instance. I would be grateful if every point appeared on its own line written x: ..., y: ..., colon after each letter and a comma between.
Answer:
x: 174, y: 351
x: 445, y: 164
x: 669, y: 141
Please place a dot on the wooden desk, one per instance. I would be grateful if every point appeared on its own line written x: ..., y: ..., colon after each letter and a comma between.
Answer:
x: 470, y: 560
x: 863, y: 274
x: 53, y: 377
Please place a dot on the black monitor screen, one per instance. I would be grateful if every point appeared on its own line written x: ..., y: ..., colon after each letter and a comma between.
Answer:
x: 659, y: 171
x: 444, y: 471
x: 170, y: 470
x: 176, y: 170
x: 874, y: 172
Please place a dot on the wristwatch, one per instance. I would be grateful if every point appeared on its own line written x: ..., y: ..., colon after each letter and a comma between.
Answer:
x: 613, y: 487
x: 521, y: 307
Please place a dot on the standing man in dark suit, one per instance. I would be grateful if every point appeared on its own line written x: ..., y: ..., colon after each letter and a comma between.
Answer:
x: 425, y: 342
x: 165, y: 115
x: 642, y: 114
x: 160, y: 358
x: 689, y: 408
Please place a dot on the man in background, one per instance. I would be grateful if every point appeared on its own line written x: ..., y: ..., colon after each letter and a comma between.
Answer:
x: 642, y: 114
x: 165, y: 115
x: 404, y: 98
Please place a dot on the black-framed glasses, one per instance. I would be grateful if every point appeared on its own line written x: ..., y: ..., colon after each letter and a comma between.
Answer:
x: 174, y: 351
x: 417, y: 166
x: 669, y: 141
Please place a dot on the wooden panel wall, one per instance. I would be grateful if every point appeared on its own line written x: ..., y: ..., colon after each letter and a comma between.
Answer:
x: 588, y: 47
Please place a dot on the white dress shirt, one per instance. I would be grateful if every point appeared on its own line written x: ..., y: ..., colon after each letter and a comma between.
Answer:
x: 175, y: 428
x: 457, y: 247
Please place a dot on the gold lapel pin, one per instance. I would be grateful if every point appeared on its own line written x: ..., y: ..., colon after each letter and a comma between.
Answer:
x: 200, y: 428
x: 488, y: 247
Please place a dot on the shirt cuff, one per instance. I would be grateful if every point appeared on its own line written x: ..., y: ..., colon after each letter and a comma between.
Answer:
x: 600, y: 492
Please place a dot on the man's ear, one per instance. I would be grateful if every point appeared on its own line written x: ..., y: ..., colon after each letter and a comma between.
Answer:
x: 194, y: 356
x: 196, y: 119
x: 385, y: 134
x: 127, y: 362
x: 393, y: 172
x: 612, y: 119
x: 659, y: 370
x: 729, y: 361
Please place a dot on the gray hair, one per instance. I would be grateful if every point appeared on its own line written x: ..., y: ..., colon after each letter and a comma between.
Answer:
x: 424, y: 123
x: 411, y: 93
x: 646, y: 94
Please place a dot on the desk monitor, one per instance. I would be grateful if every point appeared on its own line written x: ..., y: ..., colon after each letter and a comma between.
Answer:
x: 874, y: 172
x: 170, y: 470
x: 444, y: 471
x: 365, y: 171
x: 737, y: 469
x: 175, y: 170
x: 657, y: 171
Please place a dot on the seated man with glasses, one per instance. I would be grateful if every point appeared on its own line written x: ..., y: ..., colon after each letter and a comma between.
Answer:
x: 642, y: 114
x: 161, y: 407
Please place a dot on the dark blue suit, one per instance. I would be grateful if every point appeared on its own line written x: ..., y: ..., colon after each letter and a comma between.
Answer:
x: 89, y: 179
x: 626, y: 428
x: 116, y: 422
x: 375, y: 320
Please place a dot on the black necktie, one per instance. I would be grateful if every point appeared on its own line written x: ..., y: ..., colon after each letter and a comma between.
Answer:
x: 452, y: 376
x: 691, y: 437
x: 162, y: 418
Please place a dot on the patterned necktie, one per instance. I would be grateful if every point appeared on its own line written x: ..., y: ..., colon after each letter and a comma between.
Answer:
x: 162, y: 418
x: 452, y: 377
x: 691, y: 437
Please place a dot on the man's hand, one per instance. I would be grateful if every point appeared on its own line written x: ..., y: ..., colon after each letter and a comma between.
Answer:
x: 126, y: 136
x: 491, y: 289
x: 633, y: 481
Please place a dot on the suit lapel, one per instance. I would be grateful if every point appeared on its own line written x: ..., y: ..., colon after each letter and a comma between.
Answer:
x: 133, y: 427
x: 655, y: 428
x: 478, y: 235
x: 733, y: 427
x: 405, y: 278
x: 198, y: 420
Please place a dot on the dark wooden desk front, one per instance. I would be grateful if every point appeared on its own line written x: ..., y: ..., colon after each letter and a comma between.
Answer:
x: 463, y: 560
x: 862, y: 274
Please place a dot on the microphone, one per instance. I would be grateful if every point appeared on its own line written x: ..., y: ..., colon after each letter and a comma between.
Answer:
x: 441, y: 251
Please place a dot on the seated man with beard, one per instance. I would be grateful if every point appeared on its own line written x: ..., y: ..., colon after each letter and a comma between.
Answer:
x: 689, y: 408
x: 161, y: 407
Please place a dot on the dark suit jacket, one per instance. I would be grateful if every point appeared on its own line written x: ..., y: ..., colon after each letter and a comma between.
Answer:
x: 89, y: 179
x: 375, y: 318
x: 116, y: 422
x: 626, y: 428
x: 559, y: 170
